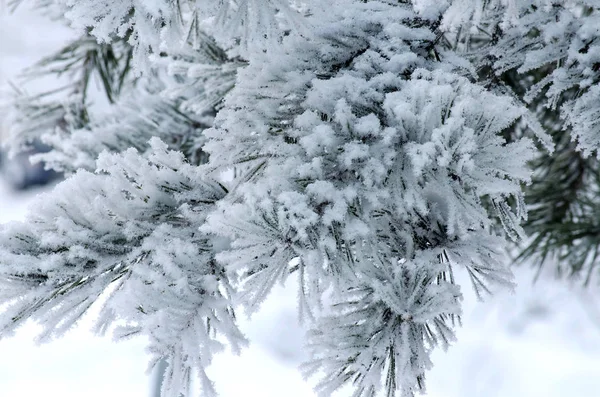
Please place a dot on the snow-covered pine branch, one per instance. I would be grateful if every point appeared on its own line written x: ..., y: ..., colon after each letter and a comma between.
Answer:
x: 131, y: 228
x: 546, y: 53
x: 174, y: 101
x: 562, y: 38
x: 130, y: 122
x: 555, y: 43
x: 369, y: 160
x: 373, y: 152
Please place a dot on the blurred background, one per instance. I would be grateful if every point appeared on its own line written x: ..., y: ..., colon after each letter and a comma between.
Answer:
x: 543, y: 340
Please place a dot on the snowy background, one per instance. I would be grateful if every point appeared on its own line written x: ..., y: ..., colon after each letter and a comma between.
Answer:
x: 544, y: 340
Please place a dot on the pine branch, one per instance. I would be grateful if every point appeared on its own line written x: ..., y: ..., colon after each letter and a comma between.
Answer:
x: 66, y: 107
x: 132, y: 227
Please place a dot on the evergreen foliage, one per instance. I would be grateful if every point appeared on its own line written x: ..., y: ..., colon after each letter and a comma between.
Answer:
x: 373, y: 147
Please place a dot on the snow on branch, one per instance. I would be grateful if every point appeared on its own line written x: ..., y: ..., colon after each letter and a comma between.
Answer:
x: 131, y: 227
x: 365, y: 145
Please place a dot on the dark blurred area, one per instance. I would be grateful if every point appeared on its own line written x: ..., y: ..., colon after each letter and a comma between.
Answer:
x: 20, y: 174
